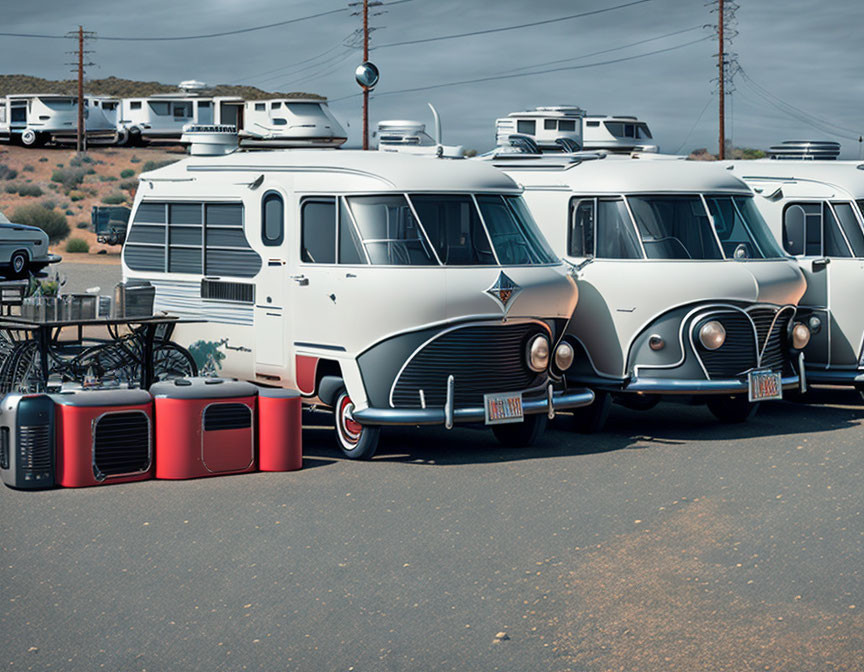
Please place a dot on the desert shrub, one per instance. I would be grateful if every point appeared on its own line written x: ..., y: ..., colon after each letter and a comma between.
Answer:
x: 82, y: 225
x: 134, y: 159
x: 129, y: 185
x: 127, y: 172
x: 69, y: 177
x: 53, y: 186
x: 107, y: 178
x: 91, y: 171
x: 50, y: 221
x: 69, y: 213
x: 154, y: 165
x: 29, y: 190
x: 65, y: 205
x: 115, y: 198
x: 7, y: 173
x: 12, y: 188
x: 44, y: 159
x: 77, y: 245
x: 48, y: 203
x: 28, y: 168
x: 75, y: 195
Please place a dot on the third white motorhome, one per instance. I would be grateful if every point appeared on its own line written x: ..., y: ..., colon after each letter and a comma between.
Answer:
x: 289, y: 122
x: 161, y: 117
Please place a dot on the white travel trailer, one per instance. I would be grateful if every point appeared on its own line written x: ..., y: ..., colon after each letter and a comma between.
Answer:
x: 34, y: 119
x: 289, y: 122
x: 616, y: 133
x: 816, y: 210
x: 161, y: 117
x: 394, y: 290
x: 556, y: 128
x: 682, y: 288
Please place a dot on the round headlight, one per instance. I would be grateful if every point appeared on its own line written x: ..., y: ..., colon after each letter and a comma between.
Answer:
x: 712, y: 335
x: 538, y: 353
x: 563, y: 356
x: 800, y: 336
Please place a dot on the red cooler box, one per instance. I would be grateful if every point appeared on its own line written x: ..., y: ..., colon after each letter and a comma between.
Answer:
x: 204, y: 427
x: 280, y: 424
x: 103, y: 437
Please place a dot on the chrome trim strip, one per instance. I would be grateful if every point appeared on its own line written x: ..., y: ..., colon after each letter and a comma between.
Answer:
x: 726, y: 386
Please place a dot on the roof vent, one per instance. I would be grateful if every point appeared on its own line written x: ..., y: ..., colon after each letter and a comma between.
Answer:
x: 210, y: 140
x: 809, y: 150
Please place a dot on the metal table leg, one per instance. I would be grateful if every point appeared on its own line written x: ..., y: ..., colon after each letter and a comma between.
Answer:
x: 147, y: 373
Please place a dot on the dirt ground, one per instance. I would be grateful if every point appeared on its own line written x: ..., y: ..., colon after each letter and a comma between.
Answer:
x: 36, y: 166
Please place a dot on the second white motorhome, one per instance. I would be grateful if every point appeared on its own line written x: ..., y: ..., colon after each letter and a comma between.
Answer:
x: 391, y: 289
x: 289, y: 122
x: 161, y: 117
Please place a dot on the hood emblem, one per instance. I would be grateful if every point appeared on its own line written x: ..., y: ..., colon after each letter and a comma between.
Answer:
x: 504, y: 290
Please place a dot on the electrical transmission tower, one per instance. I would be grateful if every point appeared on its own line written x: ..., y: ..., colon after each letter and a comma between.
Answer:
x: 82, y: 36
x: 726, y: 30
x: 363, y: 7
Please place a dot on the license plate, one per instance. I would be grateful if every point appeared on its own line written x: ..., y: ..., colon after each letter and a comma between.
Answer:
x: 504, y: 407
x: 764, y: 385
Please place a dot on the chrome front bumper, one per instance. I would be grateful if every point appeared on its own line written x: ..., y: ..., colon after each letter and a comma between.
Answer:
x: 667, y: 386
x: 835, y: 376
x: 549, y: 404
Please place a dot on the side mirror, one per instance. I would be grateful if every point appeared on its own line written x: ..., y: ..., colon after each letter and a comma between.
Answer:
x: 819, y: 264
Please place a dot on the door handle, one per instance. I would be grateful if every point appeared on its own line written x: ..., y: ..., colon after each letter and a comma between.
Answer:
x: 350, y: 275
x: 301, y: 279
x: 820, y: 264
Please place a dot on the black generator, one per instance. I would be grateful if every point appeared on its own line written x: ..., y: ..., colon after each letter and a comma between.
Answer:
x: 27, y: 455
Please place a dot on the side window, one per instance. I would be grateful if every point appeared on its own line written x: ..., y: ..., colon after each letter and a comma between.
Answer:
x: 616, y: 238
x: 260, y: 107
x: 580, y: 238
x: 567, y: 125
x: 272, y: 219
x: 849, y: 222
x: 350, y: 245
x: 135, y: 105
x: 802, y: 229
x: 549, y: 124
x: 835, y: 246
x: 526, y: 126
x: 318, y: 231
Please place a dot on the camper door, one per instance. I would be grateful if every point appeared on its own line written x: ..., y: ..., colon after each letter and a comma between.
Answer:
x: 272, y: 300
x: 827, y: 238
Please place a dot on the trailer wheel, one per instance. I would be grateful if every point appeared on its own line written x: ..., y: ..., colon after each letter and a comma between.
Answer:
x: 732, y: 410
x: 355, y: 441
x: 523, y: 434
x: 29, y: 138
x: 18, y: 264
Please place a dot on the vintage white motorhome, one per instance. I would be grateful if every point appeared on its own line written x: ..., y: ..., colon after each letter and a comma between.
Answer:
x: 683, y: 290
x: 289, y: 122
x: 816, y: 210
x: 395, y: 290
x: 34, y: 119
x: 616, y: 133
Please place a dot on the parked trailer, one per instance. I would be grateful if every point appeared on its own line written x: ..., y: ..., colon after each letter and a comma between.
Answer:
x: 162, y: 117
x: 815, y: 209
x: 34, y: 119
x: 392, y: 290
x: 289, y: 122
x: 683, y: 290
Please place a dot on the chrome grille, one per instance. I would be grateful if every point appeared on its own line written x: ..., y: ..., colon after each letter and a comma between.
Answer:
x: 482, y: 360
x: 773, y: 356
x: 121, y: 444
x: 34, y: 447
x: 737, y: 354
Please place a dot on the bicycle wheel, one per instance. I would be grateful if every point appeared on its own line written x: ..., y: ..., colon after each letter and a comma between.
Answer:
x: 173, y: 361
x: 108, y: 361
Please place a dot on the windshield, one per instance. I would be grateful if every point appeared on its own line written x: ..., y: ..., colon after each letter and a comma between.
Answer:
x: 59, y: 104
x: 674, y: 227
x: 514, y: 235
x: 389, y: 232
x: 741, y: 229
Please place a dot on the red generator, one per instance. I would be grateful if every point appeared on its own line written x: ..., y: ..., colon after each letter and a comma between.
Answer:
x: 103, y: 437
x: 280, y: 425
x: 204, y: 427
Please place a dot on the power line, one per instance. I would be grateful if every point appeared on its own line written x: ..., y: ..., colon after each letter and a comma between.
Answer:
x: 337, y: 57
x: 289, y: 67
x: 133, y: 38
x: 696, y: 123
x: 606, y: 51
x: 529, y: 74
x: 516, y: 27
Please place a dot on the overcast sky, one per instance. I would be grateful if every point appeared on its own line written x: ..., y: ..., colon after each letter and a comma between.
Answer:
x: 807, y: 54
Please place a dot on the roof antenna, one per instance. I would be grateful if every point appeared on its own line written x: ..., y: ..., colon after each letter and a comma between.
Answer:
x: 440, y: 150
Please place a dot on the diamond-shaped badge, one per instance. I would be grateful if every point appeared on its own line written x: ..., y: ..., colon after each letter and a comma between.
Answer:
x: 504, y: 290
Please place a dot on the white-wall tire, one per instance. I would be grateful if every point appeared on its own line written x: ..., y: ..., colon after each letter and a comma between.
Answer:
x: 356, y: 441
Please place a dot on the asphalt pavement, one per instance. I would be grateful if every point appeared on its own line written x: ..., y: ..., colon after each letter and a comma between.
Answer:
x: 668, y: 542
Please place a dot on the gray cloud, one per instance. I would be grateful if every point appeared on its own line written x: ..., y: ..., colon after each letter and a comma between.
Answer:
x: 806, y: 53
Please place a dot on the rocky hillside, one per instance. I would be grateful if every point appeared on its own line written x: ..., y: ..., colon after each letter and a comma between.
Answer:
x: 129, y: 88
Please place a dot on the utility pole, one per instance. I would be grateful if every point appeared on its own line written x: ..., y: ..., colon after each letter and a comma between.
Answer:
x: 722, y: 78
x: 81, y: 36
x: 365, y: 88
x: 81, y: 134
